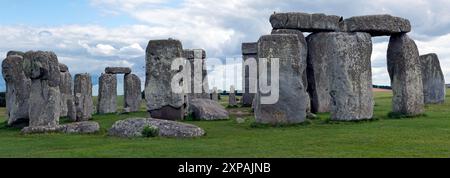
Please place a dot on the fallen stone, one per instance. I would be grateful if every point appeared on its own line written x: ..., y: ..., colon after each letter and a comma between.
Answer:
x: 433, y: 79
x: 406, y: 76
x: 18, y: 88
x: 133, y: 94
x: 350, y: 69
x: 45, y: 97
x: 118, y: 70
x: 134, y: 127
x: 72, y: 128
x: 107, y: 94
x: 158, y: 90
x: 83, y: 97
x: 378, y: 25
x: 306, y: 22
x: 206, y: 109
x: 290, y: 108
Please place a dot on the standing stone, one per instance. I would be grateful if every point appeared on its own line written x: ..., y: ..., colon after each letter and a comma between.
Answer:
x: 18, y: 87
x: 317, y: 70
x: 192, y: 56
x: 232, y: 98
x: 290, y: 108
x: 249, y: 52
x: 162, y: 102
x: 132, y: 92
x: 215, y: 95
x: 304, y: 52
x: 107, y: 94
x: 83, y: 97
x: 66, y: 90
x: 45, y: 97
x: 406, y: 76
x: 433, y: 79
x: 350, y: 69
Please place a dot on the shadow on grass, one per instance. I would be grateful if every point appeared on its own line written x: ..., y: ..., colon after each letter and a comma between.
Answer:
x: 395, y: 115
x: 256, y: 125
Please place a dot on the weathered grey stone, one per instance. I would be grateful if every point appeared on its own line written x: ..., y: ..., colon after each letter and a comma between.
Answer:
x: 249, y: 48
x: 12, y: 53
x: 194, y: 56
x: 83, y: 97
x: 433, y: 79
x: 18, y: 87
x: 304, y: 52
x: 72, y: 128
x: 107, y: 94
x: 45, y: 97
x: 87, y: 127
x: 133, y: 94
x: 317, y: 70
x: 215, y: 95
x: 158, y: 90
x: 133, y: 127
x: 66, y: 90
x: 378, y: 25
x: 63, y: 67
x: 406, y: 76
x: 290, y: 108
x: 249, y: 52
x: 232, y: 101
x: 348, y: 55
x: 306, y: 22
x: 206, y: 109
x: 118, y: 70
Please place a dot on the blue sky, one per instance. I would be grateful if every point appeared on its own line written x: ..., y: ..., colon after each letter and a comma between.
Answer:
x: 89, y: 35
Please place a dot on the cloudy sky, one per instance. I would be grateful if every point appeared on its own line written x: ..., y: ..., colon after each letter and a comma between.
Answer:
x: 89, y: 35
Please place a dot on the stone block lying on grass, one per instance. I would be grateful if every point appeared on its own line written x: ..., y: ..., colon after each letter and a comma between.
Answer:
x: 87, y: 127
x: 134, y: 127
x: 205, y: 109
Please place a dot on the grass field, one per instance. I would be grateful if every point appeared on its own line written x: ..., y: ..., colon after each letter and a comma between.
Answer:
x: 426, y: 136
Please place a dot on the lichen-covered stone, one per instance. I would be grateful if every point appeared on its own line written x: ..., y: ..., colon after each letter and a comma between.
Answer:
x: 118, y: 70
x: 206, y: 109
x: 249, y: 52
x: 134, y: 127
x: 433, y: 79
x: 350, y: 69
x: 378, y: 25
x: 83, y: 97
x: 72, y: 128
x: 317, y: 70
x: 406, y: 76
x: 133, y: 94
x: 306, y: 22
x: 232, y: 100
x: 197, y: 61
x: 45, y: 97
x: 18, y: 88
x: 158, y: 90
x: 66, y: 90
x: 291, y: 105
x: 107, y: 94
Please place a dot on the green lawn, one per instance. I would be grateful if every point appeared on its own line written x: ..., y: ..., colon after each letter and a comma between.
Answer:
x: 427, y: 136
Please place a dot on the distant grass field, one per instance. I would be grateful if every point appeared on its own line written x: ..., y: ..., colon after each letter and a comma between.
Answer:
x: 426, y: 136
